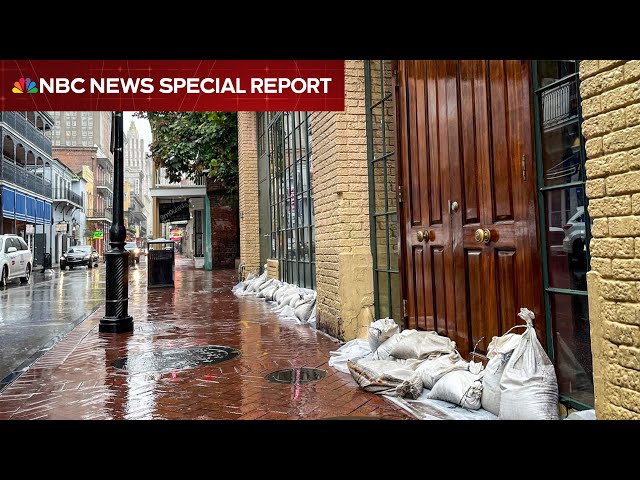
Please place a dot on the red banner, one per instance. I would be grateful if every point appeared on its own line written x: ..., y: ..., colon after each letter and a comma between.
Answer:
x: 172, y: 85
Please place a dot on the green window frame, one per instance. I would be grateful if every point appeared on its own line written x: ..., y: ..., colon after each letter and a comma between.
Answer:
x: 557, y: 111
x: 383, y: 217
x: 285, y: 140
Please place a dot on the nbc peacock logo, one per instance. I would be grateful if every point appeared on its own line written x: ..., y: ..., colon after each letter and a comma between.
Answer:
x: 25, y: 85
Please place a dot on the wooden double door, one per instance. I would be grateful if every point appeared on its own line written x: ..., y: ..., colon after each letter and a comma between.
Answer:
x: 470, y: 253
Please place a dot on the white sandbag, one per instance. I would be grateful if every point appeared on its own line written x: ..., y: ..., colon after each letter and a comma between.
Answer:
x: 499, y: 352
x: 255, y: 284
x: 383, y: 352
x: 268, y: 292
x: 582, y: 415
x: 263, y: 287
x: 287, y: 313
x: 422, y: 345
x: 380, y: 331
x: 528, y: 388
x: 386, y: 377
x: 433, y: 369
x: 303, y: 311
x: 283, y: 292
x: 353, y: 350
x: 238, y: 288
x: 459, y: 387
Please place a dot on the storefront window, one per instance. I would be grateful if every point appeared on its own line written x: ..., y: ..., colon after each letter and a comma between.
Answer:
x: 565, y: 225
x: 382, y: 188
x: 284, y: 141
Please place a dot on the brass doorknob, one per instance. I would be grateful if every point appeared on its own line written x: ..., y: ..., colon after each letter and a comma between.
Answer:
x: 420, y: 235
x: 483, y: 235
x: 455, y: 206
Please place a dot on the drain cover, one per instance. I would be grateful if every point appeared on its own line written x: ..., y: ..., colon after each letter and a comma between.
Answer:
x: 175, y: 359
x: 296, y: 375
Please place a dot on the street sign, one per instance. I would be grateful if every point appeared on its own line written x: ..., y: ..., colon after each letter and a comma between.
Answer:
x: 31, y: 229
x: 98, y: 234
x: 62, y: 227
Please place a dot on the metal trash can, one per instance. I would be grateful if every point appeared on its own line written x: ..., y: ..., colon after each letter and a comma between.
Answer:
x: 160, y: 263
x: 46, y: 261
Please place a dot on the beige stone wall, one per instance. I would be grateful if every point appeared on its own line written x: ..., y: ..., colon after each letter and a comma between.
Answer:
x: 248, y: 192
x: 341, y: 201
x: 610, y: 91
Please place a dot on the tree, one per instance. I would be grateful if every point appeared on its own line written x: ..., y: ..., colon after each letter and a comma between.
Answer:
x: 196, y: 143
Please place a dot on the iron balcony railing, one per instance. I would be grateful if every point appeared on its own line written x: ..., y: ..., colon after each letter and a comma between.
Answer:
x: 28, y: 131
x: 18, y: 175
x: 163, y: 181
x: 559, y: 104
x: 67, y: 194
x: 104, y: 182
x: 96, y: 213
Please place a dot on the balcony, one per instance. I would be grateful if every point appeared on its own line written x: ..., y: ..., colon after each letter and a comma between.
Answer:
x: 16, y: 174
x: 104, y: 182
x: 27, y: 131
x: 66, y: 195
x: 100, y: 214
x: 187, y: 187
x: 559, y: 105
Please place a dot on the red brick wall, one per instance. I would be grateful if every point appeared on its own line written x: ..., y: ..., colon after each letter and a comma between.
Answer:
x: 75, y: 158
x: 224, y: 226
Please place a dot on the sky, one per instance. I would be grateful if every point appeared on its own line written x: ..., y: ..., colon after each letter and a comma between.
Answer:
x: 142, y: 124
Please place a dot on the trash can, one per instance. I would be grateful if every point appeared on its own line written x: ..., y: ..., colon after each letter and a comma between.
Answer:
x: 46, y: 262
x: 160, y: 263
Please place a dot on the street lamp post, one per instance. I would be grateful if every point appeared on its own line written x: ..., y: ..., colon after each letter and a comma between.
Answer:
x: 116, y: 318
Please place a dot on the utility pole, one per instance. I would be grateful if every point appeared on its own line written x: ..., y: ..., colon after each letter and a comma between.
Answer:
x: 116, y: 318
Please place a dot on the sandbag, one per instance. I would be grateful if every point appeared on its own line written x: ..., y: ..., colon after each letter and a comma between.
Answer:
x: 422, y: 345
x: 499, y: 352
x: 383, y: 352
x: 386, y: 377
x: 528, y: 387
x: 268, y: 292
x: 255, y: 284
x: 303, y: 311
x: 352, y: 350
x: 433, y: 369
x: 380, y: 331
x: 263, y: 287
x: 582, y: 415
x: 459, y: 387
x: 284, y: 291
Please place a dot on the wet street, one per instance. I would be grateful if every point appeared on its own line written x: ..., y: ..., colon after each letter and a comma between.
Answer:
x: 36, y: 316
x: 196, y: 352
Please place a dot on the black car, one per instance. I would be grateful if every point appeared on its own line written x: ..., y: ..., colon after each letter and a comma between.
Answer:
x: 79, y: 256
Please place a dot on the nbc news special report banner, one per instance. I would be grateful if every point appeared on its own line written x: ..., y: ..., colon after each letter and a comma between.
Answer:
x: 172, y: 85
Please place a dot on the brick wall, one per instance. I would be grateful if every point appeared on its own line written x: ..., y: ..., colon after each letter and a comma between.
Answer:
x: 610, y: 91
x: 75, y: 158
x: 341, y: 202
x: 224, y: 226
x: 248, y: 192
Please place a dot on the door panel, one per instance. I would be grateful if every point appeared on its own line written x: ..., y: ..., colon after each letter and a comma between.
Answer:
x: 424, y: 144
x: 465, y: 137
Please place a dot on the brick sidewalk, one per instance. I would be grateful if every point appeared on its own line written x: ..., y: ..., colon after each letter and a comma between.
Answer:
x: 75, y: 380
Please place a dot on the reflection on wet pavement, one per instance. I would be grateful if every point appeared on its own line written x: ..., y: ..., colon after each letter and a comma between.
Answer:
x: 34, y: 317
x: 77, y: 379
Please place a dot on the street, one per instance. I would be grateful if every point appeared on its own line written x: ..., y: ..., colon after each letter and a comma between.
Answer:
x: 36, y: 316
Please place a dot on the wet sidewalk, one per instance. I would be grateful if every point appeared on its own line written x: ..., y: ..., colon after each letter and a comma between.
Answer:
x: 167, y: 375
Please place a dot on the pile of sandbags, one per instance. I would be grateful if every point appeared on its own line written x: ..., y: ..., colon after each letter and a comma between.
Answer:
x: 519, y: 381
x: 289, y: 301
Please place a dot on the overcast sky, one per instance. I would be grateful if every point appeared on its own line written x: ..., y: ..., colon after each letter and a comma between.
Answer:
x: 142, y: 124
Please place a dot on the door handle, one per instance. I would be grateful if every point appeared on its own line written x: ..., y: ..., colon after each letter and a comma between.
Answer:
x: 454, y: 206
x: 483, y: 235
x: 426, y: 236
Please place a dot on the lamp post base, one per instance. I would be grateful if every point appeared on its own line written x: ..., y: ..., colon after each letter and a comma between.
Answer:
x: 115, y: 325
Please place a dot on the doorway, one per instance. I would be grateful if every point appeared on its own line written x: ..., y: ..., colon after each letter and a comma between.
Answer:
x: 467, y: 198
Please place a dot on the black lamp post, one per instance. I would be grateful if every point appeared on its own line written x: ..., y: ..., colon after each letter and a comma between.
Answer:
x: 116, y: 318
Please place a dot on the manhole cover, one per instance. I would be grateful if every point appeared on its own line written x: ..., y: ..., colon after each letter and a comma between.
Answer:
x: 175, y: 359
x: 296, y: 375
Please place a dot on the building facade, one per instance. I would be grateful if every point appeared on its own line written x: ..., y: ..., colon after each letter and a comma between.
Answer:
x: 26, y: 179
x: 449, y: 194
x: 69, y: 198
x: 136, y: 173
x: 82, y: 139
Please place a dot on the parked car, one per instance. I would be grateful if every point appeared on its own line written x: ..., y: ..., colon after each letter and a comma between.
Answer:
x: 16, y: 260
x: 134, y: 250
x: 575, y: 234
x: 80, y: 255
